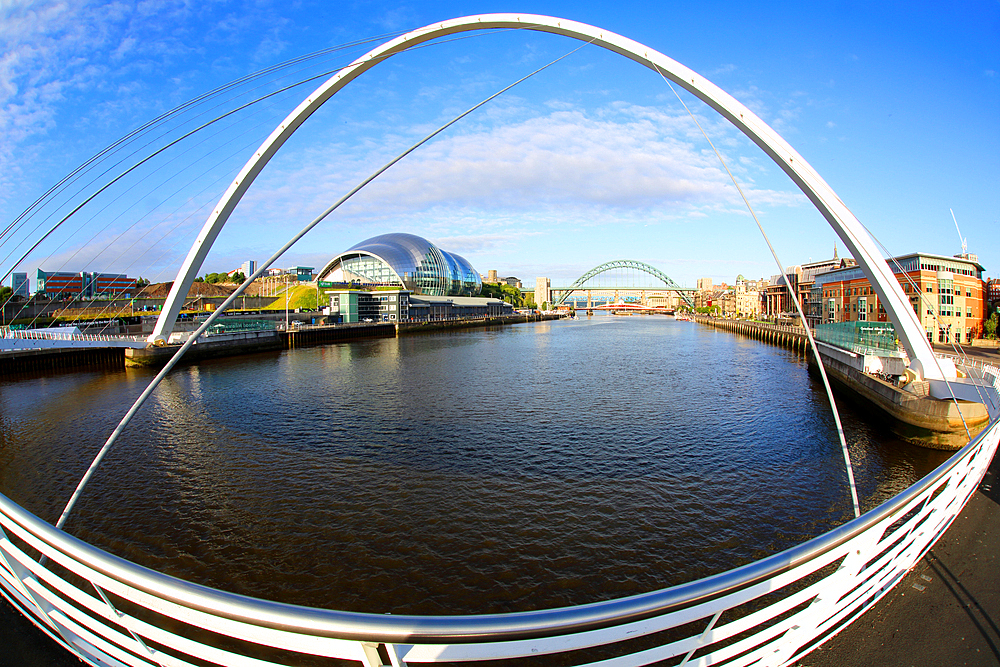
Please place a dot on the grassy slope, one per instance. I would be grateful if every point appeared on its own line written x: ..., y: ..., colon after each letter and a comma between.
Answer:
x: 300, y: 296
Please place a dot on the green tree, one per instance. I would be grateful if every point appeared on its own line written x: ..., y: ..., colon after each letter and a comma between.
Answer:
x: 990, y: 326
x: 5, y: 293
x: 545, y: 305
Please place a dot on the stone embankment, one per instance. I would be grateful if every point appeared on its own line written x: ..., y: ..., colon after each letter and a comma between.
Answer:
x: 58, y: 360
x: 238, y: 343
x: 782, y: 335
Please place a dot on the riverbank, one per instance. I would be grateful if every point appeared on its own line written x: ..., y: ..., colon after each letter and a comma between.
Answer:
x: 236, y: 344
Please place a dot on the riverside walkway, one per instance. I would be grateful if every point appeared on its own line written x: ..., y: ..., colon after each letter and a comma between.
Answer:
x: 946, y: 611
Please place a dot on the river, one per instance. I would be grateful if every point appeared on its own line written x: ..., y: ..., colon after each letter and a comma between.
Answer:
x: 485, y: 470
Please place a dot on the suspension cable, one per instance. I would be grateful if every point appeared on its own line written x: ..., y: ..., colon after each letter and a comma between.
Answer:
x: 795, y: 300
x: 260, y: 271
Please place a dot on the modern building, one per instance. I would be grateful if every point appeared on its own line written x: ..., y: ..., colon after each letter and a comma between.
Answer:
x: 303, y: 274
x: 248, y: 267
x: 543, y: 291
x: 404, y: 278
x: 948, y: 295
x: 348, y: 306
x: 19, y: 284
x: 704, y: 284
x: 63, y: 285
x: 404, y: 261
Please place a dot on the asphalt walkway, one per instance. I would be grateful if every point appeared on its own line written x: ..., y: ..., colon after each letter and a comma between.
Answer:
x: 988, y: 354
x: 946, y: 611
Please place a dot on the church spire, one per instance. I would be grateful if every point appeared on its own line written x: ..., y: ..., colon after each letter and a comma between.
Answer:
x: 835, y: 250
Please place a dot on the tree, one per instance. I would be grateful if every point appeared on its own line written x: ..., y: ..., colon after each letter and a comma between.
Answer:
x: 5, y: 293
x: 990, y: 327
x: 545, y: 305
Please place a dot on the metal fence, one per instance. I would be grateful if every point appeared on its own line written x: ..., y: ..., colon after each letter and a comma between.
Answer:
x: 771, y: 612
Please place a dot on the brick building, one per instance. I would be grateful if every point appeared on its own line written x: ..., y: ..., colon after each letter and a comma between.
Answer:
x: 948, y: 295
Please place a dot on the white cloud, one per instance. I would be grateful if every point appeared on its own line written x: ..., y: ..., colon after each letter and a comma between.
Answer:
x: 619, y: 158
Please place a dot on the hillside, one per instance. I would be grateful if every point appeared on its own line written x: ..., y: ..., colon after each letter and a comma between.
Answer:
x: 160, y: 290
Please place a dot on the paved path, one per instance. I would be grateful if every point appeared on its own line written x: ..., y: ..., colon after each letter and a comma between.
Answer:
x: 946, y: 611
x: 988, y: 354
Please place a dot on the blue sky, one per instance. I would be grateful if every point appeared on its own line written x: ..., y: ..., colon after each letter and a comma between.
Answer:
x: 896, y: 105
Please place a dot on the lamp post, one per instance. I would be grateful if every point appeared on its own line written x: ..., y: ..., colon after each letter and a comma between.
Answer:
x: 286, y: 302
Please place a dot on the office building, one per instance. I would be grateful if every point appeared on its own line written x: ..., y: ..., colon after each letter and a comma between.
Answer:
x: 948, y: 295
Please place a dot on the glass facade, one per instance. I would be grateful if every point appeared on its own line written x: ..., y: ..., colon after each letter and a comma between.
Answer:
x: 404, y: 260
x: 859, y: 336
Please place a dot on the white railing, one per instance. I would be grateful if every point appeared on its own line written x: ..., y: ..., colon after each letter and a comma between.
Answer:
x: 771, y: 612
x: 975, y: 363
x: 33, y: 334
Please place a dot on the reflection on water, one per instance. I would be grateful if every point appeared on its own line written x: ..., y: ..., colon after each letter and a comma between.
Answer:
x: 515, y: 468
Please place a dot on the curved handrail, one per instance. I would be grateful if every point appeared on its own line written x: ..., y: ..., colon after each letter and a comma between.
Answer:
x: 470, y: 628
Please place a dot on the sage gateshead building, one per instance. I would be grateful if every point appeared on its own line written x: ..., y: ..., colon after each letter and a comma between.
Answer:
x: 403, y: 278
x: 407, y: 261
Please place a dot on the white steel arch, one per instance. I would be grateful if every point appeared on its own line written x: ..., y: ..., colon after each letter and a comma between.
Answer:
x: 844, y: 223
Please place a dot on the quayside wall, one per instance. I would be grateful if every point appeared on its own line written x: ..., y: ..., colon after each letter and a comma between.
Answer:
x: 913, y: 414
x: 60, y: 359
x: 794, y: 338
x: 234, y: 344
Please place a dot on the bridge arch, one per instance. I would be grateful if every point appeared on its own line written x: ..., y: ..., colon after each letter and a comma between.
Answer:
x: 841, y: 219
x: 625, y: 264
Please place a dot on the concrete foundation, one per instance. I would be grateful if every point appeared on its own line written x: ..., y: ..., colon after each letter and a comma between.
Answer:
x: 915, y: 416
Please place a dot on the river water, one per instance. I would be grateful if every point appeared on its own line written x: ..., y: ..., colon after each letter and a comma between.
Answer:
x: 487, y: 470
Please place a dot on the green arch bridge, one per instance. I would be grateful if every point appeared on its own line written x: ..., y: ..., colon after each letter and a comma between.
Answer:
x: 627, y: 264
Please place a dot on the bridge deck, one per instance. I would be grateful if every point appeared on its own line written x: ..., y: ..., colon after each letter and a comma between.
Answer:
x: 946, y: 611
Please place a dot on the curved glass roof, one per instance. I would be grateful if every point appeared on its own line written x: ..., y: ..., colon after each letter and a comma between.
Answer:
x: 407, y: 260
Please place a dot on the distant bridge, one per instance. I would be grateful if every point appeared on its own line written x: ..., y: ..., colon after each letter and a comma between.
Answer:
x: 623, y: 264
